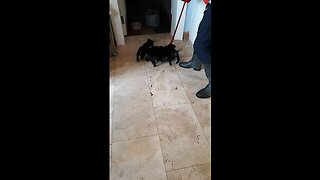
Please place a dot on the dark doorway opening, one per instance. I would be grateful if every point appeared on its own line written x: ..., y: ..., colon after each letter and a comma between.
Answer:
x: 154, y: 16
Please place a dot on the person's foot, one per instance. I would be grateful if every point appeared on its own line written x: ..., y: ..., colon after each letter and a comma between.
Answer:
x: 204, y: 93
x: 189, y: 64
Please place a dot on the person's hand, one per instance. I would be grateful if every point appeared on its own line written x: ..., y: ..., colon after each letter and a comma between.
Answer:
x: 186, y: 1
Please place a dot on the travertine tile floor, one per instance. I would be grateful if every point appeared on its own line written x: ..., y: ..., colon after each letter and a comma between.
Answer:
x: 159, y: 129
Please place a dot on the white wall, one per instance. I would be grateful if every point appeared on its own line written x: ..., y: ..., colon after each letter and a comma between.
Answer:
x: 116, y: 22
x: 123, y: 10
x: 194, y: 15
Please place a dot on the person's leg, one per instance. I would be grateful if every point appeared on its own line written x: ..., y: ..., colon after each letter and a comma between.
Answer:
x: 193, y: 63
x: 206, y: 92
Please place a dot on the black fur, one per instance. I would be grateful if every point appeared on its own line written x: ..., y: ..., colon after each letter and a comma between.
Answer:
x: 163, y: 53
x: 143, y: 50
x: 171, y: 53
x: 156, y: 53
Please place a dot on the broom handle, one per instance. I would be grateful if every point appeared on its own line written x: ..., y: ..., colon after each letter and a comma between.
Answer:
x: 177, y: 23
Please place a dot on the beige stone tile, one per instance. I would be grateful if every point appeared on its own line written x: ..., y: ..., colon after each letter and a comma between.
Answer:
x: 131, y: 83
x: 166, y: 98
x: 202, y: 108
x: 110, y: 157
x: 161, y: 66
x: 112, y: 63
x: 111, y: 86
x: 111, y: 95
x: 112, y: 70
x: 138, y: 68
x: 133, y: 115
x: 110, y: 118
x: 191, y: 91
x: 192, y: 81
x: 138, y: 159
x: 192, y: 77
x: 164, y: 79
x: 128, y: 64
x: 111, y: 114
x: 201, y: 172
x: 182, y: 139
x: 130, y: 48
x: 166, y: 88
x: 124, y: 62
x: 131, y: 77
x: 110, y: 126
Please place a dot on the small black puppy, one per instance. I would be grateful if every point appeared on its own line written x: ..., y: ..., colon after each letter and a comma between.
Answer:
x: 155, y: 54
x: 163, y: 53
x: 171, y: 53
x: 143, y: 50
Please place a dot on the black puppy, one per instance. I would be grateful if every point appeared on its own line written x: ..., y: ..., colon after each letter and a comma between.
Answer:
x: 155, y: 54
x: 171, y: 53
x: 143, y: 50
x: 163, y: 53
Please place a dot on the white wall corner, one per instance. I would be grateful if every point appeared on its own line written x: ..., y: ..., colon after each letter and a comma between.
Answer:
x: 116, y: 23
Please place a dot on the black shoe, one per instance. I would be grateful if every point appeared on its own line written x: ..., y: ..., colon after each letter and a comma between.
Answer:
x: 189, y: 64
x: 204, y: 93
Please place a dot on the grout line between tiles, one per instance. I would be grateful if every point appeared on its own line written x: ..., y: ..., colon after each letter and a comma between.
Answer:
x: 188, y: 167
x: 124, y: 140
x: 182, y: 84
x: 209, y: 144
x: 171, y: 105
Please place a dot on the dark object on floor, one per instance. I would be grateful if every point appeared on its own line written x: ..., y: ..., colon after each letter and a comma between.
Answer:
x: 156, y: 53
x: 142, y: 51
x: 193, y: 63
x: 163, y: 54
x: 172, y: 53
x: 205, y: 92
